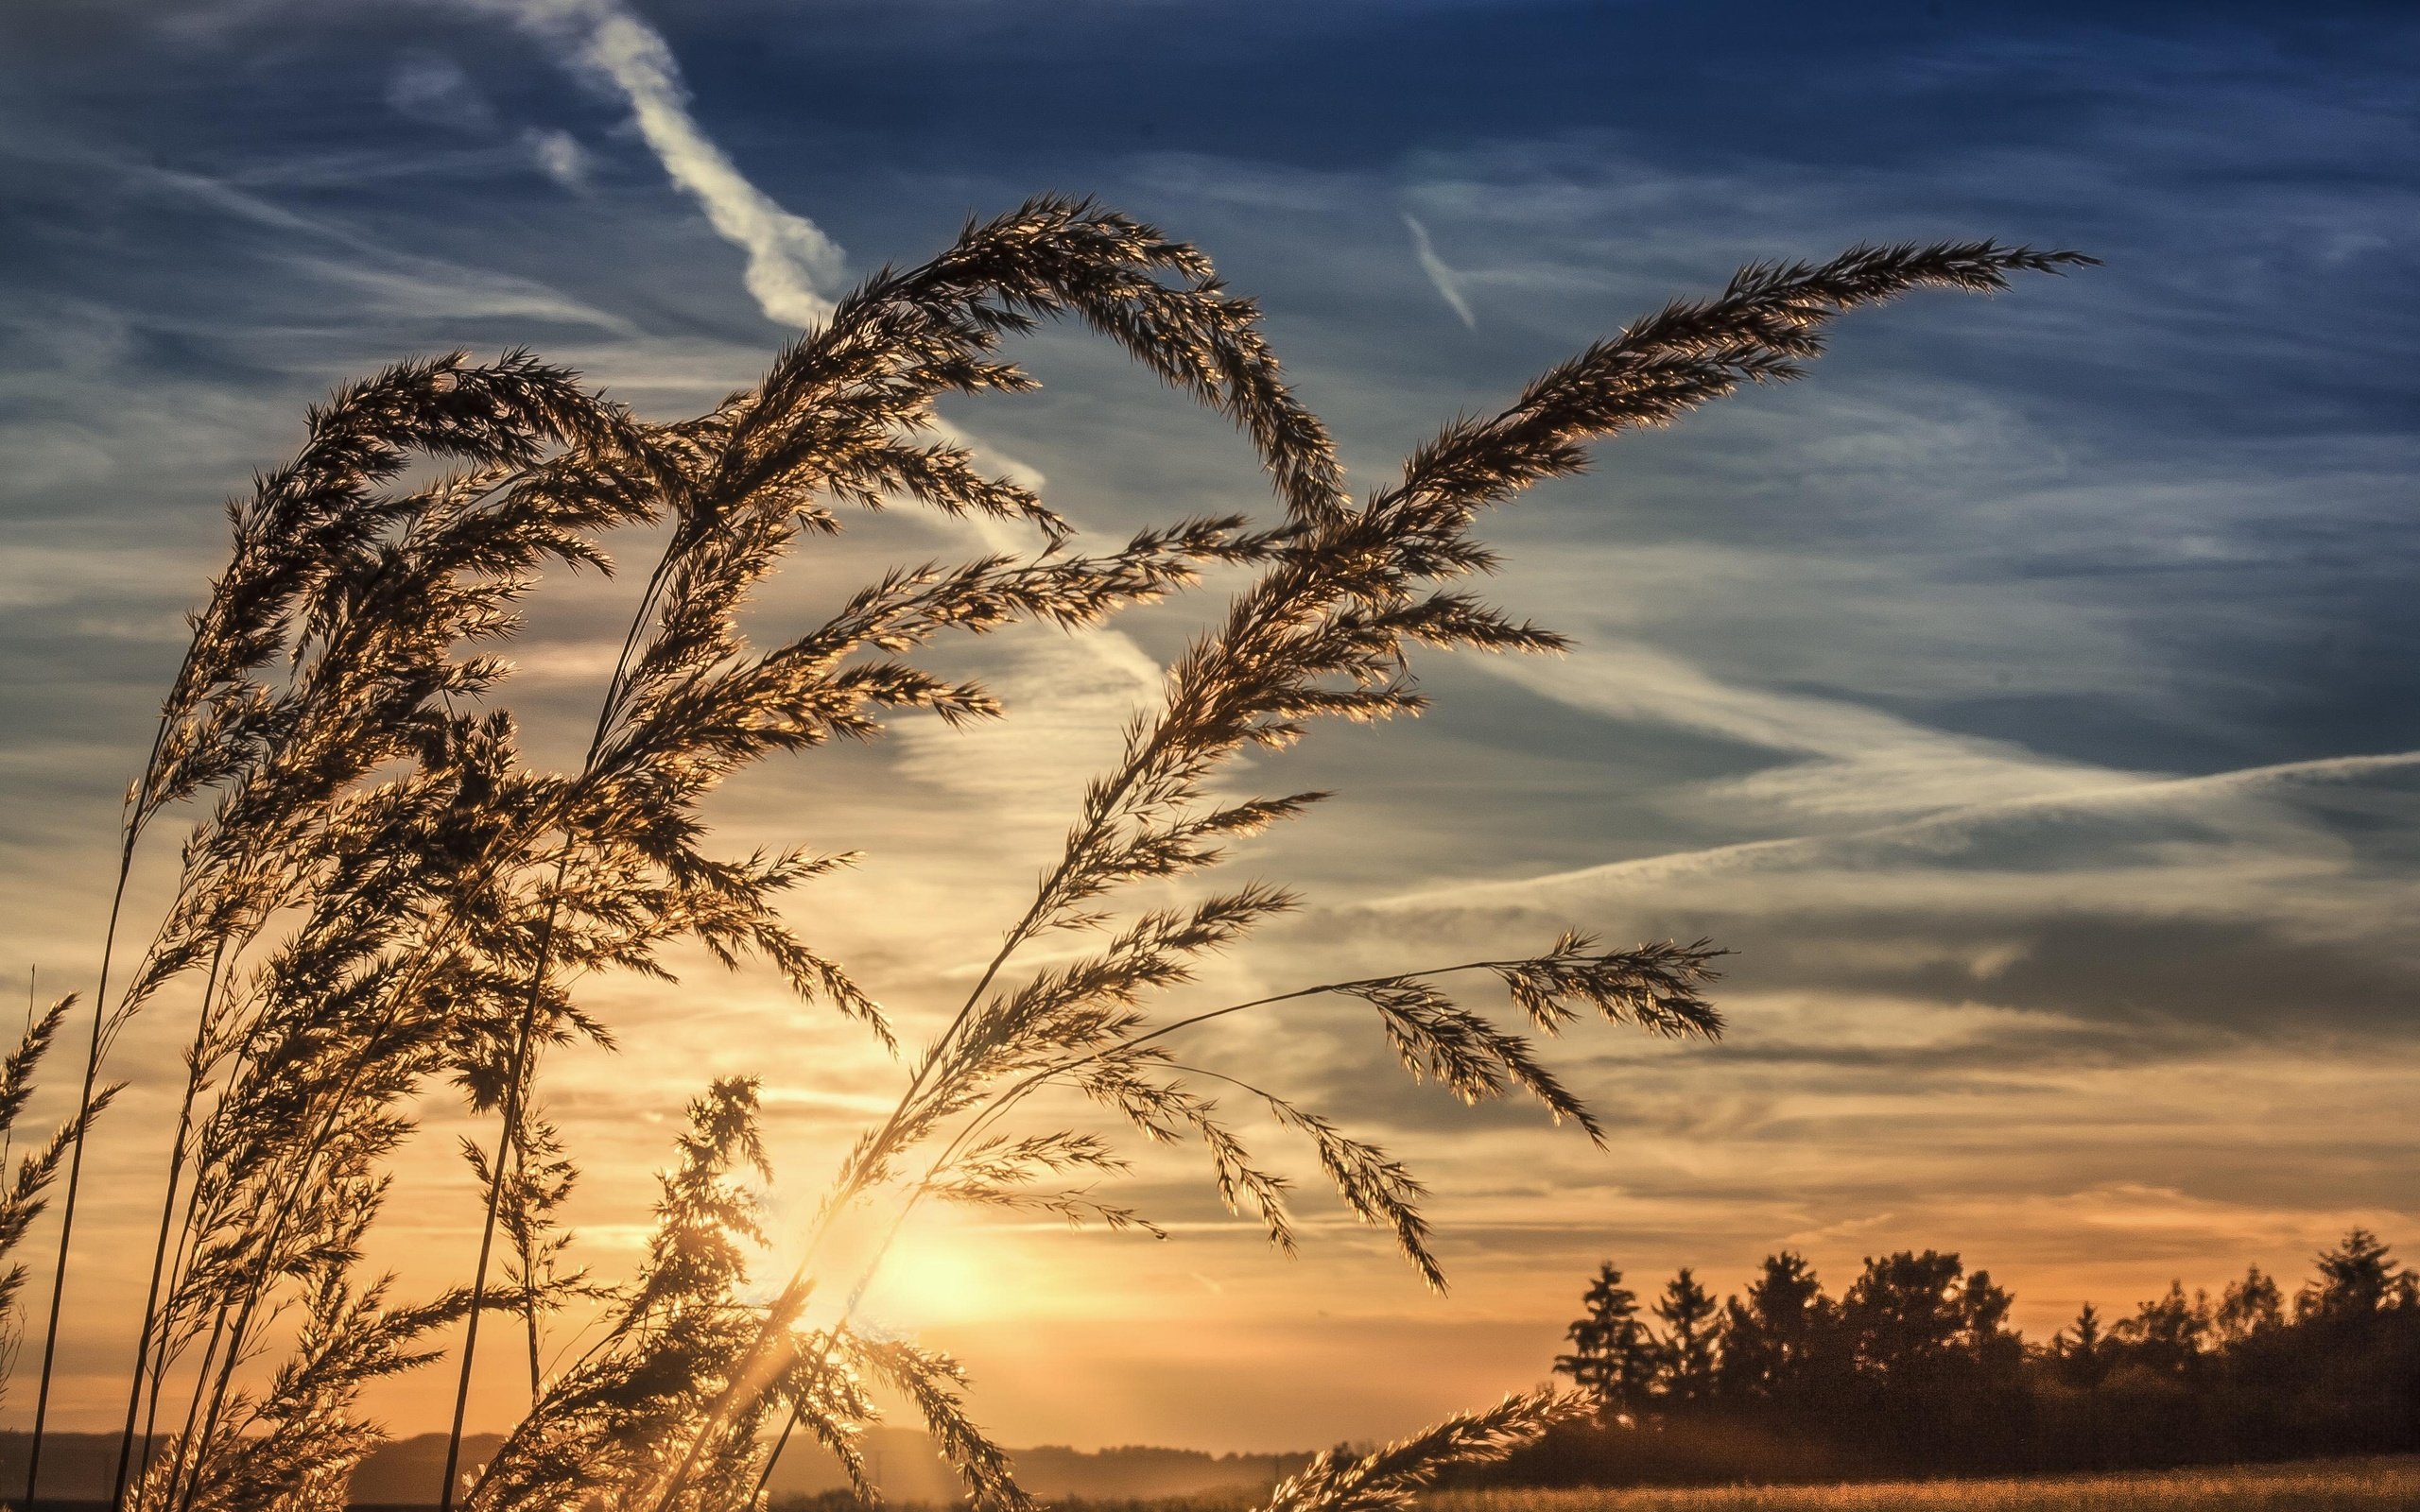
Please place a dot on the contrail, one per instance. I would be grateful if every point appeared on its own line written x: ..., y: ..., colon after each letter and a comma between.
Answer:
x: 2120, y: 795
x: 792, y: 263
x: 1449, y: 282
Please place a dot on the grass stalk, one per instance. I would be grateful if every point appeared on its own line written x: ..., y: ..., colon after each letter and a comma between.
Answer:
x: 75, y: 1167
x: 507, y: 1139
x: 517, y: 1077
x: 144, y: 1341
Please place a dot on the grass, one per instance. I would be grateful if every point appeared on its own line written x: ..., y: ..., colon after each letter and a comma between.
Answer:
x: 2302, y: 1485
x: 381, y: 902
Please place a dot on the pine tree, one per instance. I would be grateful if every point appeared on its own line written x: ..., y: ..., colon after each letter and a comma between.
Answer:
x: 1611, y: 1355
x: 1772, y: 1343
x: 2083, y: 1357
x: 1687, y: 1352
x: 2356, y: 1279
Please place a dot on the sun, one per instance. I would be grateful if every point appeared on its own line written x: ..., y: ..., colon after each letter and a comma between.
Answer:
x: 936, y: 1275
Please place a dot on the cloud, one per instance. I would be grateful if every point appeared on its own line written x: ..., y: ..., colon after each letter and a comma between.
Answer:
x: 1935, y: 836
x: 1449, y: 283
x: 403, y: 282
x: 434, y: 90
x: 1068, y: 694
x: 1867, y: 762
x: 559, y: 156
x: 792, y: 266
x: 416, y: 289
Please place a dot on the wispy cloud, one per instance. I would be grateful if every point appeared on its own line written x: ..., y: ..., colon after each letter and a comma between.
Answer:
x: 1449, y: 283
x: 1865, y: 762
x: 408, y: 283
x: 1932, y: 838
x: 559, y: 156
x: 792, y: 266
x: 435, y: 90
x: 1067, y: 693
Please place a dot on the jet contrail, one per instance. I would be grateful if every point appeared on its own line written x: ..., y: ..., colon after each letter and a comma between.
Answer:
x: 791, y: 265
x: 2121, y: 793
x: 1449, y: 282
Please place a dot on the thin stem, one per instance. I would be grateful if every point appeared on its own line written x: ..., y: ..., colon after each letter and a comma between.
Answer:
x: 495, y: 1197
x: 188, y: 1450
x: 508, y: 1137
x: 75, y: 1159
x: 160, y: 1247
x: 188, y: 1250
x: 130, y: 826
x: 765, y: 1475
x: 521, y: 1242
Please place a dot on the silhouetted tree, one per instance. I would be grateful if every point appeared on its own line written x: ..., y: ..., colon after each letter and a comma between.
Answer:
x: 2083, y: 1357
x: 1773, y: 1341
x: 2168, y: 1335
x: 1916, y: 1371
x: 1687, y: 1350
x: 2248, y: 1307
x: 2356, y: 1279
x: 1914, y: 1317
x: 2082, y: 1362
x: 1612, y: 1353
x: 1931, y: 1351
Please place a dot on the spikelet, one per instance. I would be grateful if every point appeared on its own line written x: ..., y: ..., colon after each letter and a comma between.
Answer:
x: 1389, y: 1479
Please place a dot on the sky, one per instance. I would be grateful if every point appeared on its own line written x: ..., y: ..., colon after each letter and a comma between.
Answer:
x: 2026, y: 697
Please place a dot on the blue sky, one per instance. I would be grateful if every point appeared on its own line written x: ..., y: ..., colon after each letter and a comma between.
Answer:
x: 2027, y: 695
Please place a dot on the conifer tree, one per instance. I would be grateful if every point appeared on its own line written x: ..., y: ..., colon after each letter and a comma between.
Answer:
x: 2358, y: 1277
x: 2083, y: 1355
x: 1772, y: 1343
x: 1687, y: 1352
x: 1611, y: 1355
x: 2168, y: 1333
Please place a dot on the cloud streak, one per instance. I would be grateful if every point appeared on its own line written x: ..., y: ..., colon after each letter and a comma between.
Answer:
x: 1449, y: 283
x: 1933, y: 834
x: 1860, y: 763
x: 792, y: 266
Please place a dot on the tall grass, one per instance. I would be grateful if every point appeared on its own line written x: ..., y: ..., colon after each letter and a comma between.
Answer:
x: 381, y: 897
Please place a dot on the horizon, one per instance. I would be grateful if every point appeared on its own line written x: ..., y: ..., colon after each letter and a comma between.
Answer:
x: 2024, y: 696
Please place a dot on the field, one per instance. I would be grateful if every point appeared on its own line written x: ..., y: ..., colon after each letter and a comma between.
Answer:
x: 2310, y: 1485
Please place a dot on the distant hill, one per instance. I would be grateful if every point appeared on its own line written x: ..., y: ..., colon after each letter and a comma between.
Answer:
x: 77, y: 1468
x: 907, y: 1469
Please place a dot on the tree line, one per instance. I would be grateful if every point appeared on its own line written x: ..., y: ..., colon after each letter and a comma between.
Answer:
x: 1916, y: 1371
